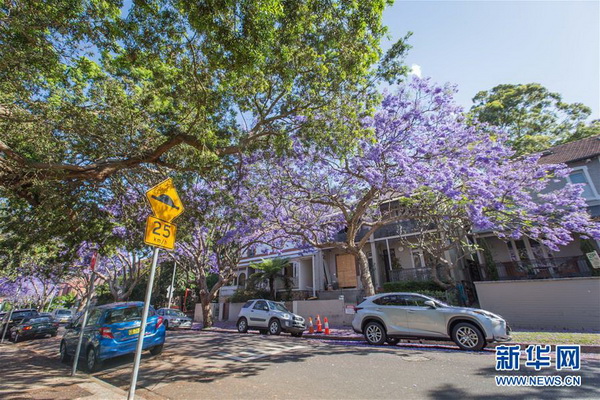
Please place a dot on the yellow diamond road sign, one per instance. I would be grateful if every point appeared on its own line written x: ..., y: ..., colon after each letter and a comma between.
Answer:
x: 165, y: 201
x: 160, y: 233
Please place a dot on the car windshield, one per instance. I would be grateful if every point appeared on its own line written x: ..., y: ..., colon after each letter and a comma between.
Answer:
x: 63, y: 312
x: 177, y: 313
x: 277, y: 306
x: 21, y: 314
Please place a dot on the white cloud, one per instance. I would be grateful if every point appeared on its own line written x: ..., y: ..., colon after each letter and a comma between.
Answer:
x: 415, y: 70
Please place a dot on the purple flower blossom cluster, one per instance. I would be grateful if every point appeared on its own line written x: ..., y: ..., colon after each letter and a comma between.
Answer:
x: 420, y: 146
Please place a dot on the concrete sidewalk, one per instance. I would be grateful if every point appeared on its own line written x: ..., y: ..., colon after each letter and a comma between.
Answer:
x: 347, y: 334
x: 26, y: 374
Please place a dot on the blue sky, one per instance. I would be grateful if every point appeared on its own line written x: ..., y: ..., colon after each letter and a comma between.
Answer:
x: 480, y: 44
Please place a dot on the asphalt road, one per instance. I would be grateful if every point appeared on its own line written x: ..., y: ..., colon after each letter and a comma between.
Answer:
x: 225, y: 366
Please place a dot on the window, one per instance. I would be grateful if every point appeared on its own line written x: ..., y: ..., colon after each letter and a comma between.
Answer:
x: 39, y: 320
x: 413, y: 301
x: 518, y: 250
x: 261, y: 305
x: 242, y: 280
x: 277, y: 306
x: 124, y: 314
x: 580, y: 177
x: 391, y: 300
x: 248, y: 304
x: 417, y: 259
x: 94, y: 317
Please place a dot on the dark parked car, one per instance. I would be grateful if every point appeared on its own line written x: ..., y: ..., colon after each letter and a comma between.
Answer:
x: 175, y: 318
x: 15, y: 318
x: 112, y: 330
x: 33, y: 327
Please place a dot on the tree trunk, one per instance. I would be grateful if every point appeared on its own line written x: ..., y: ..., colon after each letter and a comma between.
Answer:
x: 436, y: 279
x: 365, y: 274
x: 207, y: 317
x: 272, y: 288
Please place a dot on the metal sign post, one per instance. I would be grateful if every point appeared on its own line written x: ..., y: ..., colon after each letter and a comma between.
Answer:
x: 10, y: 314
x: 172, y: 289
x: 83, y: 324
x: 160, y: 232
x: 140, y: 343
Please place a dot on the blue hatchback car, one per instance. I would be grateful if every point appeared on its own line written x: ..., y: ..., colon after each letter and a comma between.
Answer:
x: 112, y: 330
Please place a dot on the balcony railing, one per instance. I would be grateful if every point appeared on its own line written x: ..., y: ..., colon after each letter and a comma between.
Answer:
x: 544, y: 268
x: 410, y: 274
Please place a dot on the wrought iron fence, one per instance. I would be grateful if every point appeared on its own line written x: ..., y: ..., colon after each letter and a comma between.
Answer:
x: 410, y: 274
x: 544, y: 268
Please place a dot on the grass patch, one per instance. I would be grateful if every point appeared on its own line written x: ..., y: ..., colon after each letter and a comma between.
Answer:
x: 556, y: 338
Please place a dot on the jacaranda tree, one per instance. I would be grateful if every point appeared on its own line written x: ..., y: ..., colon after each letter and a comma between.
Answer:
x: 421, y: 160
x: 221, y: 223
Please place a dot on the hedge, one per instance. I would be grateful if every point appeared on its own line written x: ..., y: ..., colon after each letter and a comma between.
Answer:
x: 241, y: 295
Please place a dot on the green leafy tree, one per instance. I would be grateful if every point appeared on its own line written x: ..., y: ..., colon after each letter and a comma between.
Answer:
x: 271, y: 270
x: 534, y: 117
x: 94, y: 95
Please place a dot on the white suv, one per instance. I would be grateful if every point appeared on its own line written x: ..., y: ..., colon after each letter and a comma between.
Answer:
x: 269, y: 316
x: 389, y: 317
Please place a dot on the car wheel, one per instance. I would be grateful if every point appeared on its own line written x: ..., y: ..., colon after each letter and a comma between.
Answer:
x: 91, y: 362
x: 392, y: 341
x: 53, y: 334
x: 15, y: 337
x: 64, y: 356
x: 274, y: 327
x: 468, y: 337
x: 166, y: 324
x: 375, y: 334
x: 156, y: 350
x: 242, y: 325
x: 297, y: 334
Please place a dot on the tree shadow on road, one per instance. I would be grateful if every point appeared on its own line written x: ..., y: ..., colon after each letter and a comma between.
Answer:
x: 590, y: 385
x: 218, y: 355
x: 25, y: 375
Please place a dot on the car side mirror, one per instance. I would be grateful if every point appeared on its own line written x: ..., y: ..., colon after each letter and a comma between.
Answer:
x: 430, y: 304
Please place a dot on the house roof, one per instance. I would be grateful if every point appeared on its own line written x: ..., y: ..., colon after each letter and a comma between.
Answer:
x: 573, y: 151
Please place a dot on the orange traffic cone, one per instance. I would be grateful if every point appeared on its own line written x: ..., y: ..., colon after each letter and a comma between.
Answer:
x: 319, y: 326
x: 311, y: 327
x: 326, y: 326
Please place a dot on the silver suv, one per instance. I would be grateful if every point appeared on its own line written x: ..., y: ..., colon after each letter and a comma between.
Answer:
x: 389, y: 317
x: 269, y: 317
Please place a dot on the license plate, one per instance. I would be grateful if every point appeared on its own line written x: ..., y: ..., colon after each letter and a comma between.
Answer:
x: 134, y: 331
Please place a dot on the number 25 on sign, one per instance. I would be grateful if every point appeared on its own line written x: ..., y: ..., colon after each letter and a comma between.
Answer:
x: 160, y: 233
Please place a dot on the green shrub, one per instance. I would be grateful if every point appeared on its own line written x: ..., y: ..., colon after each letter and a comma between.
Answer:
x: 243, y: 295
x: 445, y: 296
x: 410, y: 286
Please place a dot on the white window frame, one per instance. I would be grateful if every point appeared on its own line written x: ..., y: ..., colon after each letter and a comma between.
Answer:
x: 588, y: 178
x: 530, y: 254
x: 412, y: 258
